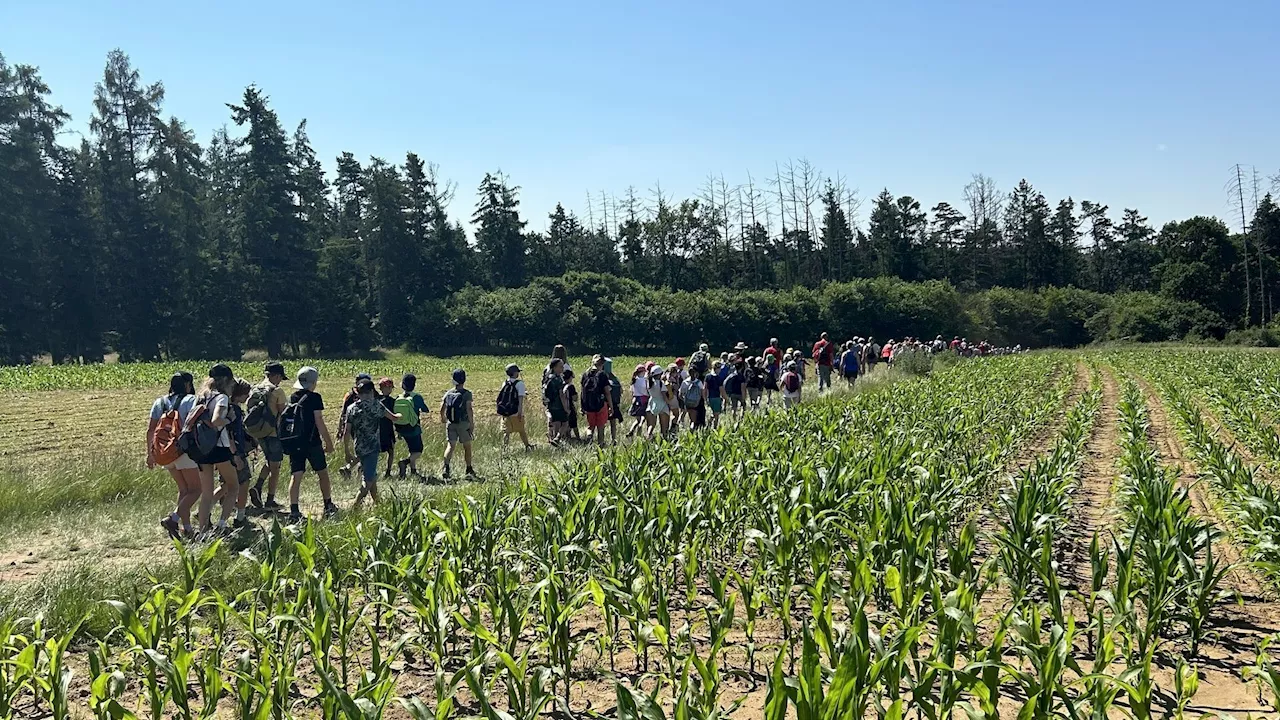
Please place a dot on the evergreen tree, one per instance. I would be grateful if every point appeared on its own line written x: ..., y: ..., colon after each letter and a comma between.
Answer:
x: 837, y: 236
x: 500, y: 231
x: 1064, y: 235
x: 1136, y: 255
x: 394, y: 265
x: 944, y: 242
x: 274, y: 241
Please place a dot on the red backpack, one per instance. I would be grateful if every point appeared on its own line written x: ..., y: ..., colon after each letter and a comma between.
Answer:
x: 164, y: 442
x: 791, y: 381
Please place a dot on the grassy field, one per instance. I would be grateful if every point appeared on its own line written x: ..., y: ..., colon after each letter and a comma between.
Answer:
x: 1052, y: 535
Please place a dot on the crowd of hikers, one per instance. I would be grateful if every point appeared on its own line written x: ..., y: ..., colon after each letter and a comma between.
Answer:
x: 204, y: 435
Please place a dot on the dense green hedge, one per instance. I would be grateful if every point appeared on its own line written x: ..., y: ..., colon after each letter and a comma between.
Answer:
x: 608, y: 312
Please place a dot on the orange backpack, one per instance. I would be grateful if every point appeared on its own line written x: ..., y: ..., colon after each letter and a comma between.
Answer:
x: 164, y: 443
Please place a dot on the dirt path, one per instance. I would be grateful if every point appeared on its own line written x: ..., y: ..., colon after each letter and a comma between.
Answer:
x: 1092, y: 502
x: 1234, y: 639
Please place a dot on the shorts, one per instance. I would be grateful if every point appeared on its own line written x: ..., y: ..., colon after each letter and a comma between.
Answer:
x: 754, y: 394
x: 458, y: 432
x: 244, y: 473
x: 182, y: 463
x: 598, y: 418
x: 558, y: 415
x: 369, y: 469
x: 639, y: 407
x: 824, y: 373
x: 735, y: 401
x: 697, y: 417
x: 387, y: 441
x: 513, y: 424
x: 313, y: 456
x: 413, y: 442
x: 573, y: 420
x: 716, y: 404
x: 217, y: 456
x: 615, y: 410
x: 850, y: 375
x: 272, y: 450
x: 789, y: 402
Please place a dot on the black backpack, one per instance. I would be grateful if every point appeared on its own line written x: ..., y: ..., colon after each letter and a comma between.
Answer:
x: 296, y: 425
x: 508, y: 398
x: 455, y: 406
x: 198, y: 439
x: 701, y: 362
x: 594, y: 386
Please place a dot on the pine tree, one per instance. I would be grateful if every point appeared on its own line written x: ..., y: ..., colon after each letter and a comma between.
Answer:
x: 394, y: 265
x: 945, y: 239
x: 837, y: 236
x: 273, y: 233
x: 500, y: 231
x: 1064, y: 233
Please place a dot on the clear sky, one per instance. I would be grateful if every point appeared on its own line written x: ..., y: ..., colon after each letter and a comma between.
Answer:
x: 1130, y: 103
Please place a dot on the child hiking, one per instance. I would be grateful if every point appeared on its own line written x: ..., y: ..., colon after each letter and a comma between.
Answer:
x: 459, y: 422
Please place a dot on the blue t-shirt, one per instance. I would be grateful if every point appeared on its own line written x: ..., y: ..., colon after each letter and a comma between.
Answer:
x: 723, y: 373
x: 713, y: 386
x: 733, y: 384
x: 419, y: 407
x: 163, y: 404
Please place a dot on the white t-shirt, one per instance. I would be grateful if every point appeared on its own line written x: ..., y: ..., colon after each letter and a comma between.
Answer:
x: 222, y: 402
x: 791, y: 395
x: 640, y: 387
x: 520, y: 389
x: 161, y: 406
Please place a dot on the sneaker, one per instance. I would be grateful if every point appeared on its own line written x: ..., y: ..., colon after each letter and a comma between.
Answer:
x: 471, y: 473
x: 445, y: 473
x: 345, y: 472
x: 255, y: 497
x: 272, y: 505
x: 170, y: 526
x: 330, y: 510
x: 404, y: 468
x: 295, y: 518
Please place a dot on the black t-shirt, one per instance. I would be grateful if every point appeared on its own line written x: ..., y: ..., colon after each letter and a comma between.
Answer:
x: 311, y: 403
x: 387, y: 428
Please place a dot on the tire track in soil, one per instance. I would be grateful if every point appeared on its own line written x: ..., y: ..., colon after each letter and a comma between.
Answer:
x: 1238, y: 627
x: 1092, y: 502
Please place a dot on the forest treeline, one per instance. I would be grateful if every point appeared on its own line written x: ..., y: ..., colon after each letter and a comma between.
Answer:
x: 143, y: 241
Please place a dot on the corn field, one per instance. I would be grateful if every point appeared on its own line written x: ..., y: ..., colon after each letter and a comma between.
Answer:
x: 927, y: 549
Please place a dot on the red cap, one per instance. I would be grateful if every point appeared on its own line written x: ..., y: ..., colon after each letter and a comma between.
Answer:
x: 680, y: 361
x: 386, y: 381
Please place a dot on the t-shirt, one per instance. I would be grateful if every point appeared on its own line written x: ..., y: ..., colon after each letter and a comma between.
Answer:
x: 774, y: 352
x: 419, y: 407
x: 221, y: 403
x: 713, y: 385
x: 790, y: 393
x: 311, y: 403
x: 554, y: 385
x: 723, y: 372
x: 603, y: 391
x: 822, y: 351
x: 572, y: 392
x: 347, y: 401
x: 387, y: 426
x: 236, y: 427
x: 454, y: 397
x: 363, y: 419
x: 691, y: 392
x: 520, y: 389
x: 733, y: 384
x: 755, y: 378
x: 640, y: 386
x: 163, y: 404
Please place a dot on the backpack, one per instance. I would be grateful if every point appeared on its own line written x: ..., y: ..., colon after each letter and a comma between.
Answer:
x: 593, y: 390
x: 508, y: 398
x: 791, y: 382
x: 700, y: 361
x: 405, y: 409
x: 198, y: 438
x: 164, y: 443
x: 455, y: 406
x: 258, y: 421
x: 693, y: 394
x: 296, y: 425
x: 551, y: 391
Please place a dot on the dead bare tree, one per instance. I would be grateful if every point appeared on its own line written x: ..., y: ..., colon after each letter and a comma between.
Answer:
x: 1235, y: 193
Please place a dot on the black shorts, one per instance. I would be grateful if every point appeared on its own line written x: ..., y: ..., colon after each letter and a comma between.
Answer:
x: 217, y: 456
x: 558, y: 416
x: 414, y: 442
x: 387, y: 441
x: 313, y: 456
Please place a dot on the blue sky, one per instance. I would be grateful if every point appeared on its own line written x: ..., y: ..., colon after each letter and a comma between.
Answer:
x: 1133, y: 104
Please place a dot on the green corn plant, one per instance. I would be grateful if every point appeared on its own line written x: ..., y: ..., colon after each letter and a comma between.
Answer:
x: 107, y: 686
x: 1265, y: 673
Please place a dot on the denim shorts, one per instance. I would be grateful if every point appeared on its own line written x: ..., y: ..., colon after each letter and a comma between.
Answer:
x: 369, y: 467
x: 272, y: 450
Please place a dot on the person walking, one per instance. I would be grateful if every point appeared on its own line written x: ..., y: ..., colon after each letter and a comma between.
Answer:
x: 849, y: 363
x: 754, y: 382
x: 306, y: 441
x: 597, y: 400
x: 824, y: 357
x: 266, y: 402
x: 511, y: 399
x: 168, y: 417
x: 458, y: 416
x: 772, y: 371
x: 410, y: 407
x: 243, y: 444
x: 215, y: 397
x: 659, y: 402
x: 715, y: 394
x: 734, y: 388
x: 363, y: 420
x: 639, y: 398
x: 693, y: 391
x: 387, y: 426
x: 571, y: 395
x: 350, y: 461
x: 773, y: 351
x: 792, y: 385
x: 555, y: 399
x: 615, y: 401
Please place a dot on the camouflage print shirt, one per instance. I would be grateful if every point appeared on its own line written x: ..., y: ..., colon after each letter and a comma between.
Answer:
x: 362, y: 421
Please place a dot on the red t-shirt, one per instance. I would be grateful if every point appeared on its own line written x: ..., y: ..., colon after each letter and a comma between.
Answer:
x: 774, y: 353
x: 822, y: 353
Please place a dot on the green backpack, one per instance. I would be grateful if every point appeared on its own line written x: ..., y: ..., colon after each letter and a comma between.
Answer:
x: 404, y: 407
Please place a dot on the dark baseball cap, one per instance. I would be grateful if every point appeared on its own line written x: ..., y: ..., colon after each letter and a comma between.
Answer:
x: 363, y: 376
x: 459, y: 376
x: 273, y: 368
x: 221, y: 370
x: 365, y: 386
